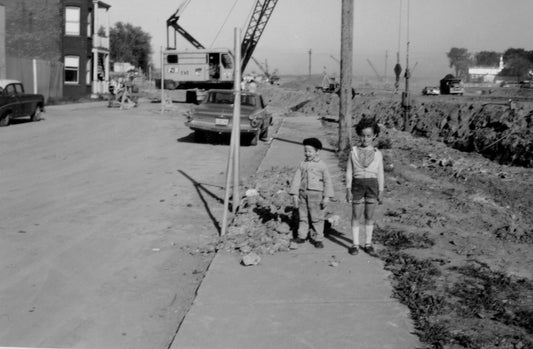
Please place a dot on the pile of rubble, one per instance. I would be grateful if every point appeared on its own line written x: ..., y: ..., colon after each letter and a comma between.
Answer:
x: 265, y: 220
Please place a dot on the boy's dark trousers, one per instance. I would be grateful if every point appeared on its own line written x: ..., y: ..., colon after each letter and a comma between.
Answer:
x: 311, y: 215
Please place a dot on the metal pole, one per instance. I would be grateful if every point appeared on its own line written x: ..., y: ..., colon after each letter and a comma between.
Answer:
x: 228, y: 185
x: 162, y: 82
x: 34, y: 76
x: 345, y: 103
x: 310, y: 53
x: 237, y: 119
x: 232, y: 168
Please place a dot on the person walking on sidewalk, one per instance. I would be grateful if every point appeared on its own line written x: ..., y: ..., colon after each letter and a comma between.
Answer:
x: 311, y: 190
x: 364, y: 182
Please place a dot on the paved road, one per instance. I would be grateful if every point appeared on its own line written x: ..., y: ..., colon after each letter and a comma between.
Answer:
x: 99, y: 209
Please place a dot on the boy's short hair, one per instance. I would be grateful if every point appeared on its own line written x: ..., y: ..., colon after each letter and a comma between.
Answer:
x: 367, y: 122
x: 313, y: 142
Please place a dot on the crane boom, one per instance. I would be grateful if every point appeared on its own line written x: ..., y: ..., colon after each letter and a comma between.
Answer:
x: 258, y: 20
x: 380, y: 78
x: 172, y: 21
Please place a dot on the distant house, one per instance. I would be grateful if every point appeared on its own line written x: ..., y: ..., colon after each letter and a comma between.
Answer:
x: 73, y: 32
x: 484, y: 74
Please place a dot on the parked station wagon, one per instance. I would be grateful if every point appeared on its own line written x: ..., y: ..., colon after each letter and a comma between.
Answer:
x: 14, y: 103
x: 215, y: 114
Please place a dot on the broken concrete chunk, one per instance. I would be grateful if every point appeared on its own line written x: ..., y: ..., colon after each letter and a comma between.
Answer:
x: 251, y: 192
x: 251, y: 258
x: 283, y: 228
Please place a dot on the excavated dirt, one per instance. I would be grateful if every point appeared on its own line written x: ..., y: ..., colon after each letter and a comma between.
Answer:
x: 456, y: 228
x: 494, y: 127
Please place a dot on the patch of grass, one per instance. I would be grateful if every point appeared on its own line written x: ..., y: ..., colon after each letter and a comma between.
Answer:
x: 480, y: 309
x: 399, y: 240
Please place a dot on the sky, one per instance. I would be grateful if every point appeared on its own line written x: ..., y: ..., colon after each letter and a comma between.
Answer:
x: 297, y: 26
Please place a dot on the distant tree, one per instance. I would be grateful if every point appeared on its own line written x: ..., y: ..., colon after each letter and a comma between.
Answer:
x: 518, y: 62
x: 517, y: 66
x: 460, y: 60
x: 487, y: 58
x: 130, y: 44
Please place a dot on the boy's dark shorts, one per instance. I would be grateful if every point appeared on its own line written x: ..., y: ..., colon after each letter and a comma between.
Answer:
x: 365, y: 190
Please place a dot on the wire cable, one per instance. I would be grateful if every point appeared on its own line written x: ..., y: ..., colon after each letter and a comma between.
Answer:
x: 223, y: 24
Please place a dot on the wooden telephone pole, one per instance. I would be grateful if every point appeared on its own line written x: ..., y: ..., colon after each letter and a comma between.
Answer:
x: 345, y: 103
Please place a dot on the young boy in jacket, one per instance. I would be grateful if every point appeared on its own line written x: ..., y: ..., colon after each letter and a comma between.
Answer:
x: 311, y: 190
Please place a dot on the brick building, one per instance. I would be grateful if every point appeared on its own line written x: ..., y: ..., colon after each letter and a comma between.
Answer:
x: 74, y: 32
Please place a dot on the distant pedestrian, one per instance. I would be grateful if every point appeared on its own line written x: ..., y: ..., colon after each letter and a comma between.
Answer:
x: 311, y: 190
x: 364, y: 183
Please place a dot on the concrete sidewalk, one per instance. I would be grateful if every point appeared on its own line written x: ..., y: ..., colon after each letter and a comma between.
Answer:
x: 297, y: 299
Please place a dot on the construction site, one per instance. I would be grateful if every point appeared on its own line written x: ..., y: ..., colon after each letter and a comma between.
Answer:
x: 126, y: 225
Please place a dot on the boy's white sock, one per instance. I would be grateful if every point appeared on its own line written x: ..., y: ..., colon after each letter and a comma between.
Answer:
x: 369, y: 229
x: 355, y: 234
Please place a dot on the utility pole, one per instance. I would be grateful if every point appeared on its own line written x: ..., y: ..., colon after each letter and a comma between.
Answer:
x: 406, y: 96
x: 386, y: 63
x: 310, y: 53
x: 345, y: 102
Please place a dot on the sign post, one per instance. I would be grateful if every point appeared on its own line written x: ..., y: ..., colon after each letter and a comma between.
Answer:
x: 232, y: 168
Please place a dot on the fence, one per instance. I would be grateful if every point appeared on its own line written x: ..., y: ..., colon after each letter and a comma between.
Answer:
x: 38, y: 76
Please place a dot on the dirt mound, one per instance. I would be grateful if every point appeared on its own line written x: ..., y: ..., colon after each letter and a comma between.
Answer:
x: 278, y: 97
x: 500, y: 131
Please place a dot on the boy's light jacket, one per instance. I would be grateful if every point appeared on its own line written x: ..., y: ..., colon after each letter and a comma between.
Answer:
x: 312, y: 175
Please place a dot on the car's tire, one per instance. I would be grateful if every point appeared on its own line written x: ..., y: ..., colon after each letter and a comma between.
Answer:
x: 190, y: 97
x: 4, y: 119
x: 254, y: 138
x: 36, y: 116
x: 264, y: 133
x: 170, y: 85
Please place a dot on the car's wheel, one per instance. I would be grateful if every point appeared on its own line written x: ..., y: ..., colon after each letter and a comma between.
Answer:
x: 264, y: 133
x: 170, y: 85
x: 191, y: 97
x: 4, y: 119
x: 254, y: 138
x: 36, y: 116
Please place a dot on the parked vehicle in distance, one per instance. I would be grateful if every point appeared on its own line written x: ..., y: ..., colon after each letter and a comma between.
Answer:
x: 431, y: 91
x: 215, y: 114
x: 14, y: 103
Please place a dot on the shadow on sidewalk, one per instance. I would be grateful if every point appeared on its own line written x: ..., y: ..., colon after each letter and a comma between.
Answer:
x: 300, y: 144
x: 202, y: 190
x: 336, y: 236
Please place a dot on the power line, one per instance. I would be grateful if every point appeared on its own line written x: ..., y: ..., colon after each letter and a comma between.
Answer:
x: 223, y: 24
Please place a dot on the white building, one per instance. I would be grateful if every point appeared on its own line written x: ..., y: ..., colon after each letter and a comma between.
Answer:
x: 485, y: 74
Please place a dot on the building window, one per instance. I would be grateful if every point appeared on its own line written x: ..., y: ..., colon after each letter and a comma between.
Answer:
x: 72, y: 21
x: 72, y: 69
x: 89, y: 24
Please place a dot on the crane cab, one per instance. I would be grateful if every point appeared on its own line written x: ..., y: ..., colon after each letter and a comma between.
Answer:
x: 199, y: 69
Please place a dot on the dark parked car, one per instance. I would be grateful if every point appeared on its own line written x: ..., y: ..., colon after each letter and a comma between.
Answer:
x: 14, y: 103
x: 215, y: 113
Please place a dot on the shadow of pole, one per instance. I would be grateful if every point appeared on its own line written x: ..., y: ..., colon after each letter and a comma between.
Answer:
x: 201, y: 189
x: 300, y: 143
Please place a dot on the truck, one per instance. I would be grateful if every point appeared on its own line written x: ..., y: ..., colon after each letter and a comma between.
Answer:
x: 15, y: 103
x: 450, y: 85
x: 204, y: 68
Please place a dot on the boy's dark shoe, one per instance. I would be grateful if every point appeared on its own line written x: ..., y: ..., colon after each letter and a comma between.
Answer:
x: 354, y: 250
x: 298, y: 240
x: 370, y: 250
x: 319, y: 244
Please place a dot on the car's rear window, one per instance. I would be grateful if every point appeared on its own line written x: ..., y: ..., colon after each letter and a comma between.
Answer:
x: 227, y: 98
